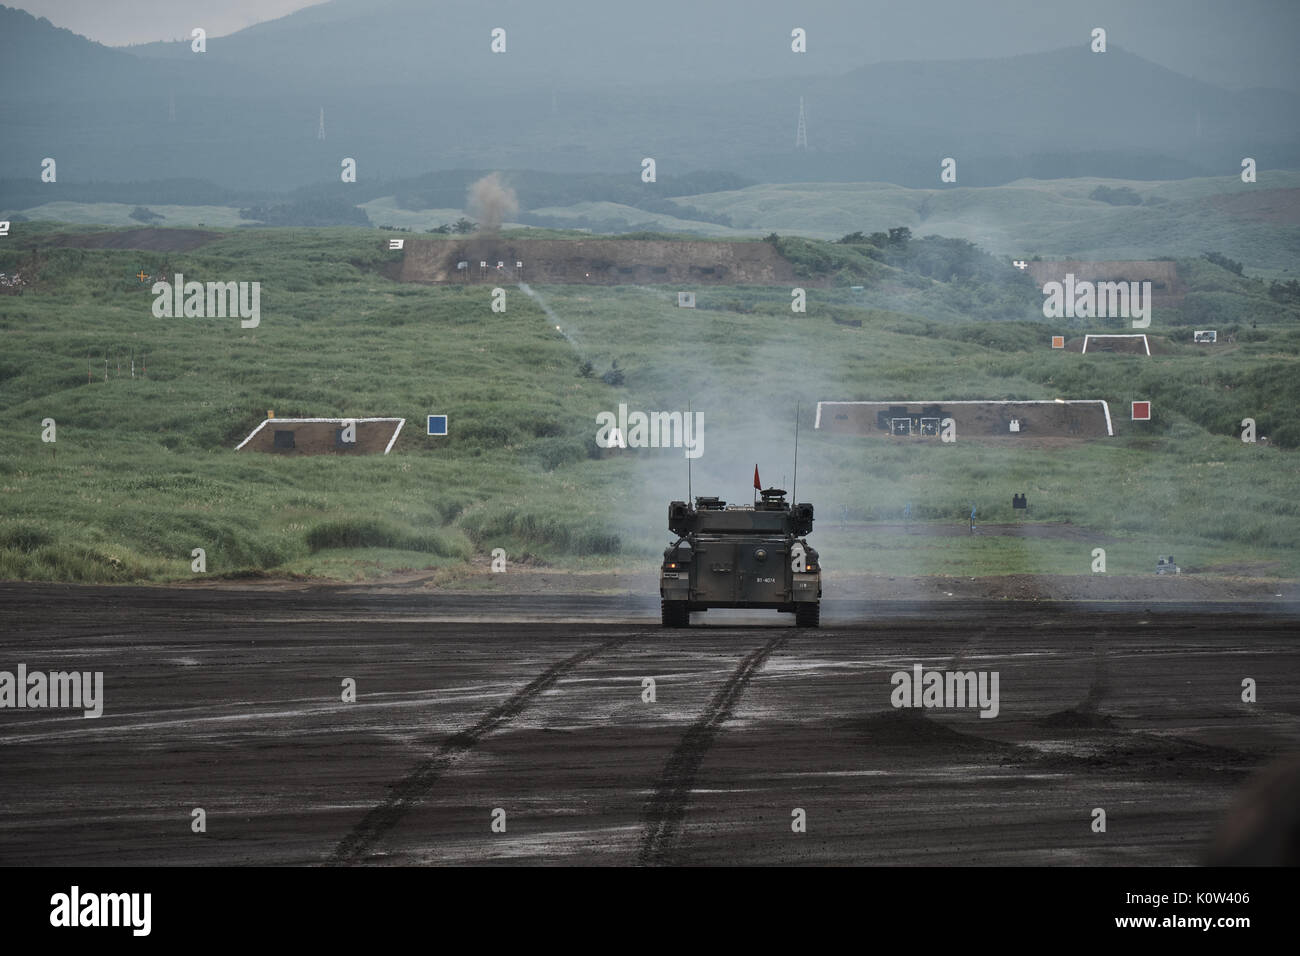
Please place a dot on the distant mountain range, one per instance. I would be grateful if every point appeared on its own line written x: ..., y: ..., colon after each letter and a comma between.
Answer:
x: 406, y: 91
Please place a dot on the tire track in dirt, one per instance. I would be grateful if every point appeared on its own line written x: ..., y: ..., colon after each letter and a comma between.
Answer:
x: 1099, y: 689
x: 416, y: 785
x: 1088, y: 712
x: 972, y: 643
x: 666, y: 809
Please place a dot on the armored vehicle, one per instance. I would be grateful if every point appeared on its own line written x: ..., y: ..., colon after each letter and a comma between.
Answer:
x: 740, y: 556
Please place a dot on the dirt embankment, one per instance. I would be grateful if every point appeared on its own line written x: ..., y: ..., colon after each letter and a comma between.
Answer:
x: 595, y: 261
x: 524, y: 579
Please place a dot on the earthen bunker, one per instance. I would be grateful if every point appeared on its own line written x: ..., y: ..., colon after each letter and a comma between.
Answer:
x: 994, y: 420
x: 323, y: 436
x: 484, y: 259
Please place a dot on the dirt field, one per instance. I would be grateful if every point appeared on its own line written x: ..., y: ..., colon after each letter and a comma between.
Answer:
x: 228, y: 699
x: 1245, y: 582
x: 1256, y: 582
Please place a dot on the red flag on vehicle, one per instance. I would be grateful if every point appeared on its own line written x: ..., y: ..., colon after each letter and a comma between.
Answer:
x: 757, y: 485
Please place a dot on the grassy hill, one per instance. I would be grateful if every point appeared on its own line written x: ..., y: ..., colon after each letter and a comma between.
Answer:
x: 145, y: 470
x: 1051, y: 218
x: 1257, y: 224
x: 119, y: 214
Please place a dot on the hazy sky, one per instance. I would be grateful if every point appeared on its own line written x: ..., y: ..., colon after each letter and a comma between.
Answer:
x: 1232, y: 43
x: 118, y: 22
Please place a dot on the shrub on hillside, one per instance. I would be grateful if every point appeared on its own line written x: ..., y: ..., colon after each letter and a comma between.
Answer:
x: 24, y: 537
x: 614, y: 376
x: 1286, y: 292
x: 1116, y: 196
x: 1221, y: 260
x: 1204, y: 309
x: 556, y: 452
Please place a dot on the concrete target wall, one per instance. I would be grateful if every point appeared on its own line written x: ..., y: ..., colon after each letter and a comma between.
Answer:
x: 318, y: 436
x: 1076, y: 418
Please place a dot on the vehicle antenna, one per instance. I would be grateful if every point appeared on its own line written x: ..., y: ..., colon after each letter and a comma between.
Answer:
x: 794, y: 489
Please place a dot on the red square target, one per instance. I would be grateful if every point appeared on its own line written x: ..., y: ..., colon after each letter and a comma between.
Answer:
x: 1141, y: 411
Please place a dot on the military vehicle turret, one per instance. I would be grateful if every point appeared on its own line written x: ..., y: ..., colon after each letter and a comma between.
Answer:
x: 740, y: 556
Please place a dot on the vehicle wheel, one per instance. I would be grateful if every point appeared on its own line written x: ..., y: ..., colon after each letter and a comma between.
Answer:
x: 808, y: 615
x: 674, y: 614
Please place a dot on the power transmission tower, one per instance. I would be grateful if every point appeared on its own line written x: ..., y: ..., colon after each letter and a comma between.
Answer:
x: 320, y: 132
x: 801, y: 134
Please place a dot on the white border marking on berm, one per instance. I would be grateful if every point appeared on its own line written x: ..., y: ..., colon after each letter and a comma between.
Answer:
x: 1105, y: 407
x: 396, y: 431
x: 1141, y: 336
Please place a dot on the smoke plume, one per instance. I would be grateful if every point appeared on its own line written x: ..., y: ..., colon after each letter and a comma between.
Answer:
x: 490, y: 202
